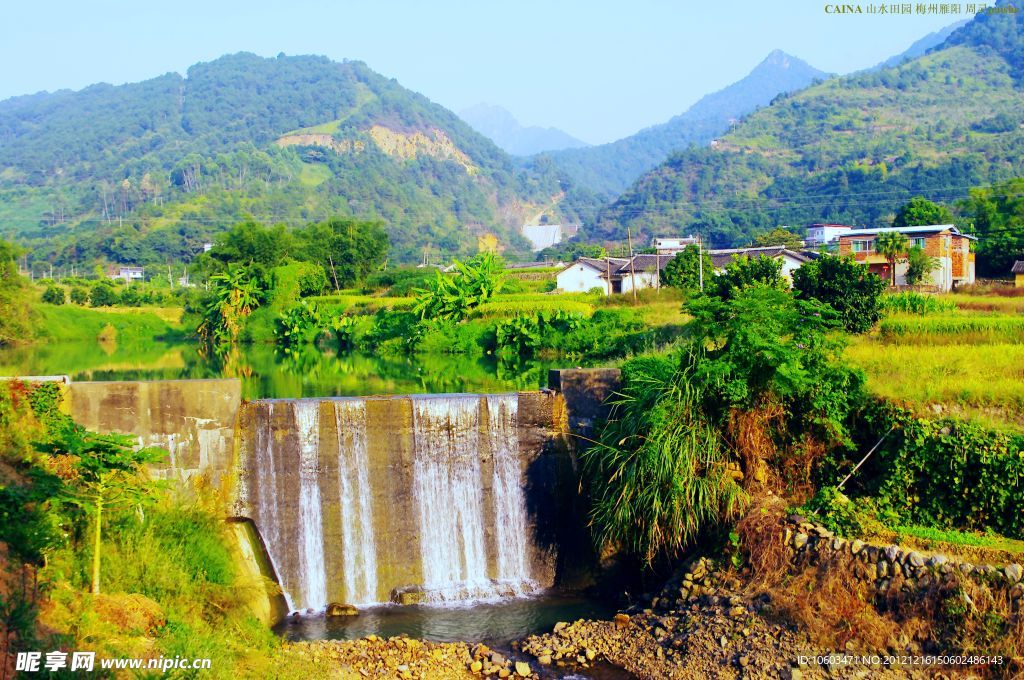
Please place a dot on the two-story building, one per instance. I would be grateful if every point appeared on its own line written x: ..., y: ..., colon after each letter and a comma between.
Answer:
x: 825, y: 234
x: 944, y: 242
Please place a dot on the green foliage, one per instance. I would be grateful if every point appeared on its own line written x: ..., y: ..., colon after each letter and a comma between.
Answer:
x: 657, y: 474
x: 15, y: 313
x: 997, y: 213
x: 778, y: 237
x: 344, y: 328
x: 843, y: 284
x: 103, y: 294
x: 79, y: 295
x: 233, y: 296
x: 54, y: 295
x: 346, y: 248
x: 919, y: 265
x: 522, y: 336
x: 397, y: 332
x: 744, y: 272
x: 891, y: 245
x: 843, y: 516
x: 450, y: 297
x: 398, y: 281
x: 684, y: 271
x: 909, y: 302
x: 296, y: 325
x: 941, y: 473
x: 504, y: 306
x: 919, y: 211
x: 925, y: 330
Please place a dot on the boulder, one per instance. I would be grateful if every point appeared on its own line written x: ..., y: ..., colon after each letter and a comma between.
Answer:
x: 338, y: 609
x: 1012, y: 572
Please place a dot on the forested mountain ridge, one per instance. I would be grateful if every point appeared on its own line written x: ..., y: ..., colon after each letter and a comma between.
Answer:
x: 157, y: 167
x: 850, y: 149
x: 610, y: 168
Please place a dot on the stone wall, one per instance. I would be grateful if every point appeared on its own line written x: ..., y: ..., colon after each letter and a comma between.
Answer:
x: 193, y: 419
x: 889, y: 565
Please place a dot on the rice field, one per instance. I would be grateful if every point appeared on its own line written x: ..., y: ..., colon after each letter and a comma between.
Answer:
x: 967, y: 362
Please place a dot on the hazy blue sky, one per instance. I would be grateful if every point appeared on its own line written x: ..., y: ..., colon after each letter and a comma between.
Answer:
x: 598, y: 69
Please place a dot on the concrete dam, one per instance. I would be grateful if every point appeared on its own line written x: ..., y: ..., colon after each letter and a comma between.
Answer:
x: 365, y: 500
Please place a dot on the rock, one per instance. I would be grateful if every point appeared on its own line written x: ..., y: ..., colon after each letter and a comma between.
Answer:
x: 523, y: 669
x: 800, y: 540
x: 838, y: 543
x: 882, y: 569
x: 937, y: 560
x: 621, y: 620
x: 892, y: 553
x: 497, y: 659
x: 1012, y: 572
x: 476, y: 666
x: 544, y: 660
x: 856, y: 546
x: 915, y: 559
x: 338, y: 609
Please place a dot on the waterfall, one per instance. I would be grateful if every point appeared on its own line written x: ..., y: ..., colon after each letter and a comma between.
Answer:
x: 446, y: 485
x: 265, y: 513
x: 312, y: 571
x: 359, y: 552
x: 510, y: 521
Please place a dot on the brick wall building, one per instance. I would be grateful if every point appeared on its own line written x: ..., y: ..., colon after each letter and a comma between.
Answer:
x: 944, y: 242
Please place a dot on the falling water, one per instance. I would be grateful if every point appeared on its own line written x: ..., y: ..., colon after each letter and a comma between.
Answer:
x: 266, y: 514
x: 359, y: 552
x: 511, y: 529
x: 446, y: 484
x: 311, y: 556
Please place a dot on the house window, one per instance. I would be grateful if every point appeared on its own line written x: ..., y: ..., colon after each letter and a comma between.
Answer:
x: 861, y: 246
x: 917, y: 242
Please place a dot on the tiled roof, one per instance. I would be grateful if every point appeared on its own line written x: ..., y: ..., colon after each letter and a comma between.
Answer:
x: 1018, y: 267
x: 721, y: 258
x: 645, y: 263
x: 923, y: 229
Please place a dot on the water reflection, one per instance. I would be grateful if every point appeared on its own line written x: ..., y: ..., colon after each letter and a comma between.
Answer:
x: 266, y: 373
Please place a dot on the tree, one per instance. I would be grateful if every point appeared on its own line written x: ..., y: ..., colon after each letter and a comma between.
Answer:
x: 743, y: 272
x: 998, y: 216
x: 348, y: 250
x: 684, y: 270
x: 54, y: 295
x: 102, y: 294
x: 919, y: 211
x: 845, y: 285
x: 779, y: 237
x: 919, y: 265
x: 233, y: 296
x: 890, y: 245
x: 107, y: 474
x: 15, y: 323
x: 450, y: 297
x: 79, y: 295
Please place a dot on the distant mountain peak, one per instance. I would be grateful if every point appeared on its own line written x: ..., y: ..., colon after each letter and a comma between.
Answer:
x: 502, y: 128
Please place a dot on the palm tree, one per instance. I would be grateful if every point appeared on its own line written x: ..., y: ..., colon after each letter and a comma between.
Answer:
x: 891, y: 245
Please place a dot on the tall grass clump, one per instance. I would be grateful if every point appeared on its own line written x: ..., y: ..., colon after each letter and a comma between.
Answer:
x: 952, y: 328
x: 659, y: 467
x: 910, y: 302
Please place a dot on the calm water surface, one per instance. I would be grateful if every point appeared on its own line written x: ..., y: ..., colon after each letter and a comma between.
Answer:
x: 267, y: 374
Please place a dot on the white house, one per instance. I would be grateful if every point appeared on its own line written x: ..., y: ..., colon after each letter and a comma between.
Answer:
x: 612, y: 274
x: 824, y: 234
x: 791, y: 259
x: 129, y: 274
x: 671, y: 246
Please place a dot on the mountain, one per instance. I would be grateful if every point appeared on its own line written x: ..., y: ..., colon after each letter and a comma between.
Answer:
x: 921, y: 46
x: 849, y: 150
x: 501, y: 127
x: 609, y: 168
x: 146, y: 172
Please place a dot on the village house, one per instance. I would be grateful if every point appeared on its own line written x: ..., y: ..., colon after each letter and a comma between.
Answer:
x: 825, y: 234
x: 612, y: 275
x: 791, y: 259
x: 129, y: 274
x: 944, y: 242
x: 1018, y: 273
x: 671, y: 246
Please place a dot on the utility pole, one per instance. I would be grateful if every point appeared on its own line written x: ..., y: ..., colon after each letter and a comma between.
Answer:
x: 700, y: 260
x: 632, y: 269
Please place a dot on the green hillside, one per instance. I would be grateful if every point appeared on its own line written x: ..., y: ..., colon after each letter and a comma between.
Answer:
x: 147, y: 172
x: 850, y: 149
x: 609, y: 169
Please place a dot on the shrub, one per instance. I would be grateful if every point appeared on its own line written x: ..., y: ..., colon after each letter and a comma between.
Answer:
x: 919, y: 265
x: 103, y: 294
x: 744, y: 272
x: 54, y: 295
x: 79, y: 295
x: 297, y: 325
x: 845, y: 286
x: 684, y: 271
x: 130, y: 297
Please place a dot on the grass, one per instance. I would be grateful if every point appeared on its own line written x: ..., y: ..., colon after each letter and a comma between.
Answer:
x: 961, y: 538
x: 62, y: 323
x: 952, y: 328
x: 987, y: 303
x: 502, y: 307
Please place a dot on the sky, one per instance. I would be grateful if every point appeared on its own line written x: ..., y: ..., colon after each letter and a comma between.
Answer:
x: 600, y: 70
